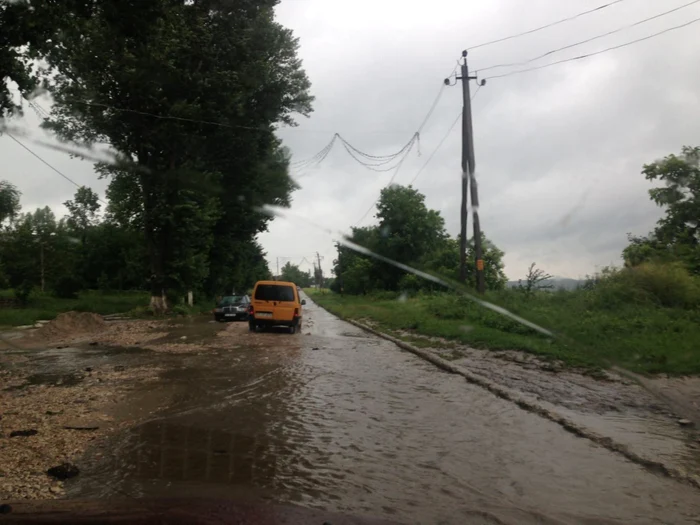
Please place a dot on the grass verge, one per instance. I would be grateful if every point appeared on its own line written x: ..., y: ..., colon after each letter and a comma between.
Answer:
x: 45, y: 306
x: 643, y: 338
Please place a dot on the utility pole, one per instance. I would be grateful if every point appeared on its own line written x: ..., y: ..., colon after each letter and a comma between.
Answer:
x: 469, y: 184
x: 277, y: 277
x: 320, y: 271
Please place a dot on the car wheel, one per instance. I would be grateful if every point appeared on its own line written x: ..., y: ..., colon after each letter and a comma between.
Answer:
x: 292, y: 329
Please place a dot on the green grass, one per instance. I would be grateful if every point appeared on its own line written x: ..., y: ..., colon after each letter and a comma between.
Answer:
x: 45, y: 306
x: 644, y: 338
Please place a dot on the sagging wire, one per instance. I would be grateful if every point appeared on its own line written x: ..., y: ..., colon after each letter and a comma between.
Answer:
x: 377, y: 165
x: 393, y: 177
x: 378, y: 157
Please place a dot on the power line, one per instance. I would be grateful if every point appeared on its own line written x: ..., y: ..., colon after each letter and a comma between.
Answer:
x: 392, y: 158
x: 47, y: 164
x: 167, y: 117
x: 596, y: 52
x: 551, y: 24
x: 321, y: 155
x: 316, y: 159
x: 398, y: 168
x: 442, y: 141
x: 459, y: 115
x: 575, y: 44
x: 433, y: 106
x: 379, y: 157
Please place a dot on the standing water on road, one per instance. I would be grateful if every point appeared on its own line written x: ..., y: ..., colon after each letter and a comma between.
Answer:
x: 340, y: 420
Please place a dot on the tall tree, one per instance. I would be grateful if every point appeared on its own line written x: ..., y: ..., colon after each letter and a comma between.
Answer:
x: 9, y: 201
x: 677, y: 235
x: 225, y: 72
x: 292, y: 273
x: 83, y: 211
x: 410, y: 233
x: 444, y: 262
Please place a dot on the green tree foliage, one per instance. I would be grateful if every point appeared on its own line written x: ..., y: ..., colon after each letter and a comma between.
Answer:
x: 444, y: 262
x: 83, y: 210
x: 225, y: 70
x: 9, y: 201
x: 291, y: 272
x: 36, y: 248
x: 78, y: 251
x: 410, y: 233
x: 677, y: 235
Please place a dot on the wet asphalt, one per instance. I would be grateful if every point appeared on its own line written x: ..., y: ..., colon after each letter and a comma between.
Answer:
x: 337, y: 419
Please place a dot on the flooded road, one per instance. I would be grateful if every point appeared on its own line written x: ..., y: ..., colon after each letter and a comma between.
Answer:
x: 340, y: 420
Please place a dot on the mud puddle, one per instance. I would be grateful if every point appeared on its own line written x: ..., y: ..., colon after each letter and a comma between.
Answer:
x: 60, y: 380
x: 342, y: 421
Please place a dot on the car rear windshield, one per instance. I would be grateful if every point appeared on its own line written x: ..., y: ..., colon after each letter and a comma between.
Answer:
x: 232, y: 299
x: 274, y: 292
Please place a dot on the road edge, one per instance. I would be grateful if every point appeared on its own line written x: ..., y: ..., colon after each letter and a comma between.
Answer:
x: 513, y: 396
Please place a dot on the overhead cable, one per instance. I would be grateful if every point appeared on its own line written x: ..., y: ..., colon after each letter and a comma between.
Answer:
x: 46, y: 163
x: 378, y: 157
x: 588, y: 55
x: 602, y: 35
x: 375, y: 164
x: 381, y: 160
x: 444, y: 138
x: 551, y: 24
x: 398, y: 168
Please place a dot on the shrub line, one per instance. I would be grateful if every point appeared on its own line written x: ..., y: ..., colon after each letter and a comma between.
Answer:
x: 508, y: 394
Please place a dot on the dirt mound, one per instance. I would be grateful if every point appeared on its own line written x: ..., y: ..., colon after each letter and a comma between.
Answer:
x: 71, y: 324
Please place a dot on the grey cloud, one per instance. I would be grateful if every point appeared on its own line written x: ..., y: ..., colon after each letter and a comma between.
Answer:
x: 565, y: 141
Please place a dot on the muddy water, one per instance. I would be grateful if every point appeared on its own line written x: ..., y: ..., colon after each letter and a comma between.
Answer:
x: 339, y: 420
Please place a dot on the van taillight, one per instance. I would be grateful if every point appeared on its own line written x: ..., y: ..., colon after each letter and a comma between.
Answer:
x: 296, y: 312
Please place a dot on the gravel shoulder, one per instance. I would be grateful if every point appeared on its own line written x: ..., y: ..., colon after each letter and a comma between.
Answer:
x: 67, y: 386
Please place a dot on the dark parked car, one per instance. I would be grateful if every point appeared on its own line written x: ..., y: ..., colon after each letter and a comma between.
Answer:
x: 232, y: 308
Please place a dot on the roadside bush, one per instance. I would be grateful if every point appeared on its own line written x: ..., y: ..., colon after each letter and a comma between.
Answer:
x: 410, y: 283
x: 67, y: 287
x: 141, y: 311
x: 384, y: 295
x: 23, y: 291
x: 180, y: 309
x: 665, y: 284
x: 103, y: 283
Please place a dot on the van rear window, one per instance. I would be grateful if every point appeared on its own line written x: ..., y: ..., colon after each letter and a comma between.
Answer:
x: 273, y: 292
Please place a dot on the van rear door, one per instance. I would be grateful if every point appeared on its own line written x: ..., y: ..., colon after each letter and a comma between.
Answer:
x: 274, y: 301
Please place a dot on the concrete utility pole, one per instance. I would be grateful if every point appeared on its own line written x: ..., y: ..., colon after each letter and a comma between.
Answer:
x: 320, y: 271
x: 469, y: 183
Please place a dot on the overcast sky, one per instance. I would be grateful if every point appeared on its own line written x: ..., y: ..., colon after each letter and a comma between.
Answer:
x: 559, y: 151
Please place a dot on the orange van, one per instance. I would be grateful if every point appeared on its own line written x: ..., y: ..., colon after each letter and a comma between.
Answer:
x: 275, y: 303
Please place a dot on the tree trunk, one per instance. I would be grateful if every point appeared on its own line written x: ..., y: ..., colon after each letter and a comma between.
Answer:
x: 190, y: 298
x: 153, y: 236
x: 159, y: 303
